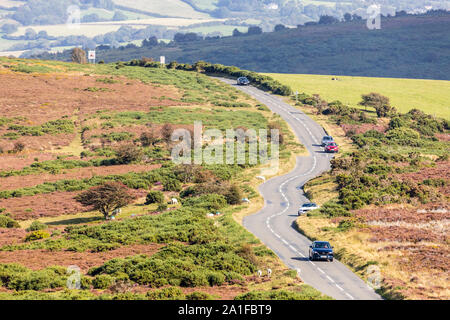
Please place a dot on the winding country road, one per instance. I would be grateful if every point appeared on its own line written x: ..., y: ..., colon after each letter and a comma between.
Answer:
x: 283, y: 195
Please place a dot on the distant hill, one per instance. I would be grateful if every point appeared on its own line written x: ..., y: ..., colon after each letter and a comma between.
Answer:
x: 404, y: 47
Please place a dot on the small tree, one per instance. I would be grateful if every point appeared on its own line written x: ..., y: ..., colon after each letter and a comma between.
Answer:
x: 279, y: 27
x: 18, y: 147
x: 166, y: 132
x: 106, y: 198
x: 154, y: 196
x: 374, y: 100
x: 128, y: 153
x: 79, y: 56
x: 234, y: 195
x: 380, y: 103
x: 149, y: 138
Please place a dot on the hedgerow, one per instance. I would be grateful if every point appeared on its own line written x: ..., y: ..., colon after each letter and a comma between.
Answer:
x: 262, y: 81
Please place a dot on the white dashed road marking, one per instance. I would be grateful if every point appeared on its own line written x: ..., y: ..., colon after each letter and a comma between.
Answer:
x: 280, y: 188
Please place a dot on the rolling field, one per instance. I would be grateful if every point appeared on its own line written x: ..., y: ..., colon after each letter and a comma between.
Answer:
x: 430, y: 96
x: 172, y: 8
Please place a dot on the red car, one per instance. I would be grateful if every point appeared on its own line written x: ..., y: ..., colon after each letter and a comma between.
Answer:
x: 332, y: 147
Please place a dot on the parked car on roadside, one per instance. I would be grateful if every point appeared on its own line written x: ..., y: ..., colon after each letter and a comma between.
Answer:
x: 331, y: 147
x: 243, y: 81
x: 321, y: 250
x: 326, y: 140
x: 307, y: 207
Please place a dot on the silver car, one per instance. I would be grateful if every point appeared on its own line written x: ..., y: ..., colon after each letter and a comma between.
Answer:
x: 307, y: 207
x: 326, y: 140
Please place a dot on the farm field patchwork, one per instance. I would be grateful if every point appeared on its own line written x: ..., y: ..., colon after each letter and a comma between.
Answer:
x: 73, y: 129
x: 163, y: 7
x: 430, y: 96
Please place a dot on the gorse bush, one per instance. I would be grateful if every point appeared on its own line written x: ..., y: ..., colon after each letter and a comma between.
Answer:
x: 37, y: 235
x: 305, y: 293
x: 36, y: 225
x: 211, y: 202
x: 103, y: 281
x: 187, y: 266
x: 52, y: 127
x: 8, y: 222
x: 154, y: 197
x: 56, y: 166
x: 169, y: 293
x: 332, y: 209
x: 16, y: 277
x: 128, y: 153
x: 186, y: 224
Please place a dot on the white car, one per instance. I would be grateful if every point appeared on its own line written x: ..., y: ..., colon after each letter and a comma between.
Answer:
x: 307, y: 207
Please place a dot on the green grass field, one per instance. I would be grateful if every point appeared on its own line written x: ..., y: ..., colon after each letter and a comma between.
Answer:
x: 431, y: 96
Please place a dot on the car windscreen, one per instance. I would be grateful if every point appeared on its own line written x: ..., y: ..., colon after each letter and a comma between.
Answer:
x: 322, y: 245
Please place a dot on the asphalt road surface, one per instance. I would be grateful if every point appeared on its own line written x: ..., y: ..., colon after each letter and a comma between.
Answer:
x: 283, y: 195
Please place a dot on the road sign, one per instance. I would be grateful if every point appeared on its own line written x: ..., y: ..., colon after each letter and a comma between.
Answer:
x: 162, y: 59
x: 91, y: 55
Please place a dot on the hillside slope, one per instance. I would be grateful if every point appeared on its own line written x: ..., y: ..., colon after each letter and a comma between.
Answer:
x: 66, y: 129
x: 339, y: 49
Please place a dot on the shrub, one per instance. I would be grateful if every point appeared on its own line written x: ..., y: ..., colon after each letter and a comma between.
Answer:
x: 36, y: 225
x: 211, y: 202
x: 172, y: 185
x: 149, y: 138
x: 234, y: 195
x: 170, y: 293
x: 128, y: 153
x: 154, y: 197
x: 199, y: 296
x: 216, y: 279
x: 345, y: 225
x: 37, y: 235
x: 162, y: 207
x: 403, y: 136
x: 7, y: 222
x: 332, y: 209
x: 86, y: 283
x: 18, y: 147
x: 103, y: 281
x: 16, y: 277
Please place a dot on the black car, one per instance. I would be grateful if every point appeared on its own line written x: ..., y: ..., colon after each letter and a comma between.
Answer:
x: 243, y: 81
x: 321, y: 250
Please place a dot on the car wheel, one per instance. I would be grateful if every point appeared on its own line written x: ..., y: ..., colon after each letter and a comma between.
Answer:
x: 331, y: 260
